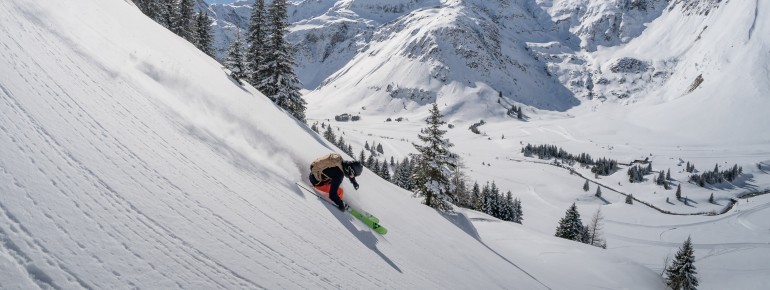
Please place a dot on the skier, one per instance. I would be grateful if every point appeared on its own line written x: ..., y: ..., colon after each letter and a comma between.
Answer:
x: 327, y: 173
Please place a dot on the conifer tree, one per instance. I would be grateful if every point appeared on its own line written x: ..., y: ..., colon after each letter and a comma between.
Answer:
x: 182, y: 22
x: 518, y: 212
x: 571, y: 227
x: 435, y: 164
x: 362, y: 157
x: 679, y: 192
x: 594, y: 229
x: 234, y: 61
x: 256, y: 39
x: 475, y: 197
x: 668, y: 174
x: 711, y: 198
x: 598, y: 191
x: 370, y: 161
x: 586, y: 186
x: 203, y: 37
x: 379, y: 148
x: 385, y: 171
x: 507, y: 212
x: 366, y: 145
x: 680, y: 275
x: 630, y: 199
x: 329, y: 135
x: 167, y: 13
x: 405, y: 174
x: 279, y: 82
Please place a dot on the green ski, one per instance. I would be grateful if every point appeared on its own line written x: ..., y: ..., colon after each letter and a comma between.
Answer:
x: 365, y: 217
x: 369, y: 220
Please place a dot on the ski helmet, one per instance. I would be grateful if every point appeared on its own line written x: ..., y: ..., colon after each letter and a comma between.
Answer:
x: 355, y: 168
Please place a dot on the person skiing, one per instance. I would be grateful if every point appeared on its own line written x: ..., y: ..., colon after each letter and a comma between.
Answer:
x: 327, y: 173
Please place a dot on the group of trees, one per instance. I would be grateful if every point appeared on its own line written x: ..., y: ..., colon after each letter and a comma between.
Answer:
x: 515, y: 111
x: 571, y: 227
x: 268, y: 60
x: 636, y: 173
x: 489, y: 200
x: 716, y: 176
x: 602, y: 166
x: 264, y: 58
x: 178, y: 16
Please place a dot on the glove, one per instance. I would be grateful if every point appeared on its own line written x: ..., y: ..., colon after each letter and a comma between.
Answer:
x: 355, y: 185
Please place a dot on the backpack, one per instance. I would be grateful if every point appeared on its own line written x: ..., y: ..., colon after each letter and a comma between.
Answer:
x: 327, y: 161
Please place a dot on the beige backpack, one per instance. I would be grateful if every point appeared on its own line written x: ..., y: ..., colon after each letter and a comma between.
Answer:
x: 327, y: 161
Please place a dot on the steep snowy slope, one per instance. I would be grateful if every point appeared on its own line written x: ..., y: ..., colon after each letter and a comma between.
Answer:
x: 128, y: 159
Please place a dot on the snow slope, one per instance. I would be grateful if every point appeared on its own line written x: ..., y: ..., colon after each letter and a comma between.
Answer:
x: 128, y: 159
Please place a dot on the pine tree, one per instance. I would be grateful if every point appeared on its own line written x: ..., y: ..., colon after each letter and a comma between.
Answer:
x: 234, y: 61
x: 594, y: 229
x: 182, y: 22
x: 571, y: 227
x: 366, y: 145
x: 475, y: 197
x: 598, y: 191
x: 680, y: 275
x: 405, y: 174
x: 385, y: 171
x: 279, y: 82
x: 679, y: 192
x: 370, y: 161
x: 167, y: 13
x: 329, y: 135
x: 362, y: 157
x: 255, y: 55
x: 203, y: 37
x: 379, y: 149
x: 630, y: 199
x: 435, y: 164
x: 392, y: 161
x: 507, y: 212
x: 586, y: 187
x: 668, y: 174
x: 711, y: 198
x: 519, y: 213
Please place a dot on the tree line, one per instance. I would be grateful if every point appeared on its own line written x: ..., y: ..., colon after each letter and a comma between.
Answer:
x: 263, y: 58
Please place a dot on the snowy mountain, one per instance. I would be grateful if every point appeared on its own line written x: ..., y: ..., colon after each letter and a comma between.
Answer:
x: 130, y: 159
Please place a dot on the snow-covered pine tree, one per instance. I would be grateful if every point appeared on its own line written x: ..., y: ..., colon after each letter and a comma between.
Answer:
x: 711, y: 198
x: 329, y: 135
x: 167, y: 13
x: 182, y: 22
x: 598, y: 191
x: 630, y: 199
x: 496, y: 200
x: 362, y: 157
x: 680, y: 275
x: 571, y: 227
x: 279, y: 82
x: 379, y: 148
x: 475, y: 197
x: 434, y: 164
x: 349, y: 150
x: 518, y: 212
x: 384, y: 171
x: 508, y: 211
x: 255, y: 55
x: 203, y: 37
x: 486, y: 199
x: 668, y: 174
x: 376, y: 167
x: 366, y: 145
x: 586, y: 187
x: 405, y: 174
x: 679, y: 192
x: 370, y: 161
x: 234, y: 60
x: 594, y: 229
